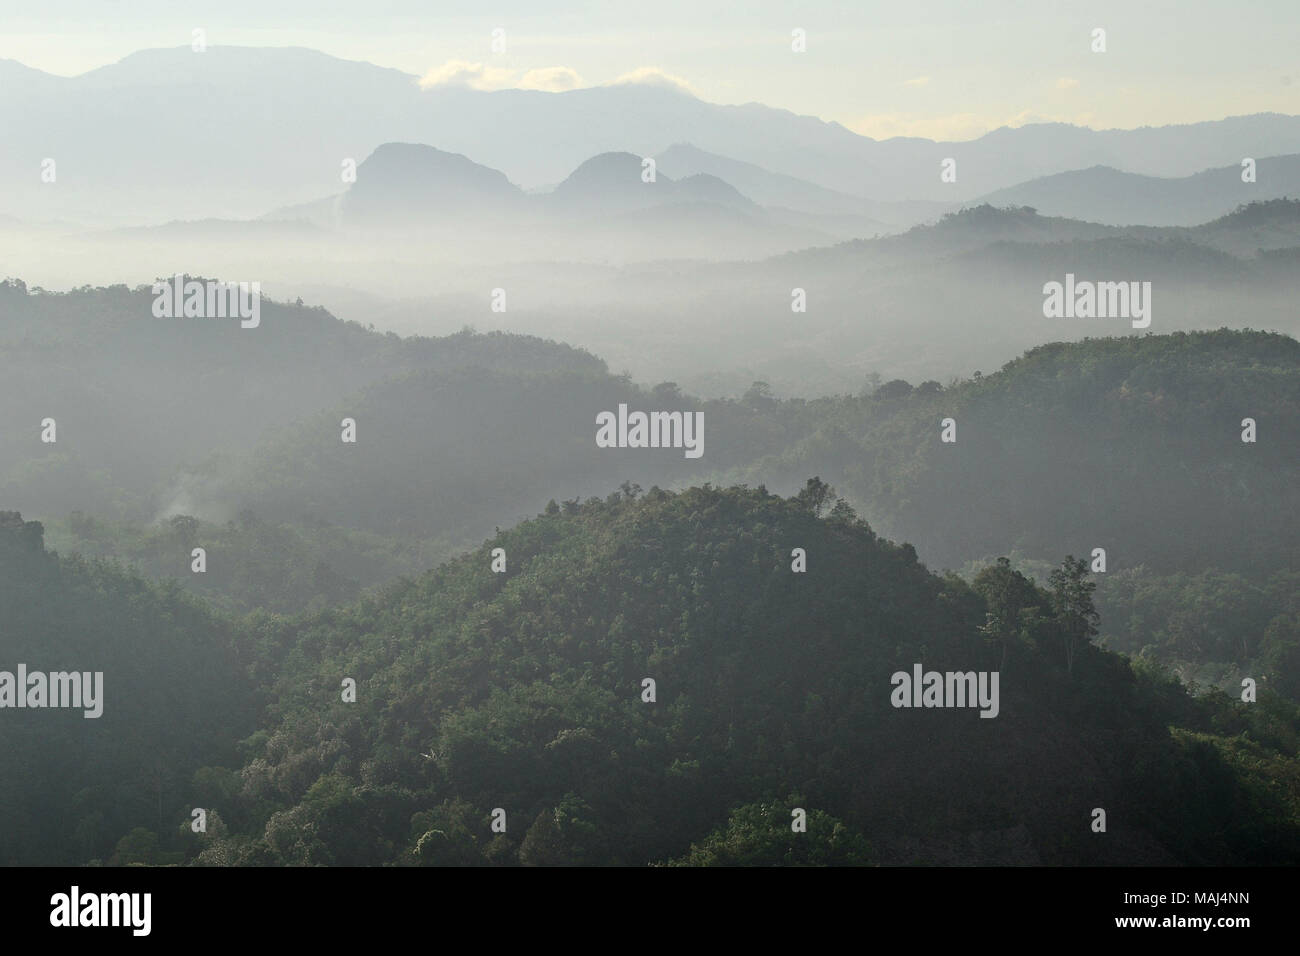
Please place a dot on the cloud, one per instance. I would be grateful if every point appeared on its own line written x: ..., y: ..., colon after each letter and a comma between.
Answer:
x: 480, y: 76
x: 552, y: 79
x: 956, y: 126
x: 1066, y: 83
x: 476, y: 76
x: 653, y: 76
x: 917, y: 81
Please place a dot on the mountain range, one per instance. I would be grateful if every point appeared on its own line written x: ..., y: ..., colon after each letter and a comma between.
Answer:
x: 290, y: 117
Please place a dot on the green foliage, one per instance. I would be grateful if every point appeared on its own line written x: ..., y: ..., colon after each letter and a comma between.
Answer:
x: 522, y: 691
x: 759, y: 834
x: 175, y: 697
x: 150, y: 412
x: 251, y: 564
x: 1133, y: 442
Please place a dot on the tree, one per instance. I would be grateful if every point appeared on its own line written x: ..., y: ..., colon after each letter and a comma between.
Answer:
x: 898, y: 388
x: 759, y: 396
x: 667, y: 393
x: 543, y: 844
x: 843, y: 512
x: 1280, y: 652
x: 138, y: 846
x: 27, y: 535
x: 816, y: 495
x: 1011, y: 599
x: 185, y: 527
x: 1072, y: 606
x: 759, y: 834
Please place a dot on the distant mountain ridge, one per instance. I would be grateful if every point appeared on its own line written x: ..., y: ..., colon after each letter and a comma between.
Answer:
x: 1107, y: 195
x: 402, y: 182
x: 301, y: 113
x: 775, y: 190
x: 609, y: 204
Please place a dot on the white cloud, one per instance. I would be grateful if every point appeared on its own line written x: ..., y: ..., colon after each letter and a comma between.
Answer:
x: 917, y: 81
x: 480, y: 76
x: 552, y: 79
x: 1066, y: 83
x: 477, y: 76
x: 654, y: 76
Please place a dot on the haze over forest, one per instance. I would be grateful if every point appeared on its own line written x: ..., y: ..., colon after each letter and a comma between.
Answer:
x: 472, y: 277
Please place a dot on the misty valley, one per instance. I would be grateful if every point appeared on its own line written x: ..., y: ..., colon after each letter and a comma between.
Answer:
x: 355, y: 507
x: 507, y: 670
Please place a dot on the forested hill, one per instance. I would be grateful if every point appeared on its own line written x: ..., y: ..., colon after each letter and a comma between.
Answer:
x: 182, y: 434
x: 1132, y: 444
x: 140, y: 402
x: 175, y: 696
x: 524, y: 690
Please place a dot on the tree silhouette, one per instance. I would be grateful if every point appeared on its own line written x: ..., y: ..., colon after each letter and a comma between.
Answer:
x: 1076, y: 617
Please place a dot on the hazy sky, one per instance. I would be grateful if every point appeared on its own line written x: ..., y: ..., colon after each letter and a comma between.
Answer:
x: 946, y: 69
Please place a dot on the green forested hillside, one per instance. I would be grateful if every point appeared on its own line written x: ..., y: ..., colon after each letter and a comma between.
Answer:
x: 144, y: 406
x: 250, y: 563
x: 1210, y: 628
x: 523, y: 691
x: 176, y: 697
x: 1131, y: 444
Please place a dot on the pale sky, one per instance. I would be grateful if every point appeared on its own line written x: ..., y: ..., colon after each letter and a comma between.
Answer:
x: 944, y: 69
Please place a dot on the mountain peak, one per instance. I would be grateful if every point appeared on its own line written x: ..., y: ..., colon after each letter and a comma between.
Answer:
x: 613, y: 182
x: 401, y: 182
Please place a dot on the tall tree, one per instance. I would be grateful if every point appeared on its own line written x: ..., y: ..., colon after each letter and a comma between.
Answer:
x: 1076, y: 617
x: 816, y: 495
x: 1008, y: 595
